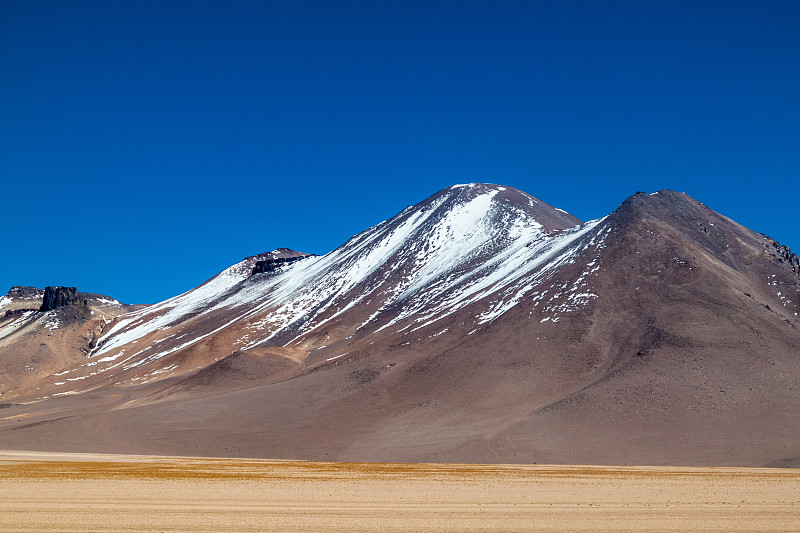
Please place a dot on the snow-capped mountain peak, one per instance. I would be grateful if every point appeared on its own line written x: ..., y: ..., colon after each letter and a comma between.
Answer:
x: 464, y: 244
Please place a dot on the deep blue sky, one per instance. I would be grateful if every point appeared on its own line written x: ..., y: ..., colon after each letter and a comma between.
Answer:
x: 144, y: 146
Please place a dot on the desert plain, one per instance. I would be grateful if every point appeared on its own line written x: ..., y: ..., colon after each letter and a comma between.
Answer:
x: 93, y: 492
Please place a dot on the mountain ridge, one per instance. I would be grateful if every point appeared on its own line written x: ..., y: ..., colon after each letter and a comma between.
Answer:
x: 480, y: 325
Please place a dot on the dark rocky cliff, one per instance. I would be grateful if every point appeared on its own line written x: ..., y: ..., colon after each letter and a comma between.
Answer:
x: 271, y: 265
x: 55, y: 297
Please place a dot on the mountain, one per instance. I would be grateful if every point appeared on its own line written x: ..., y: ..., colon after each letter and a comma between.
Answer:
x: 480, y: 325
x: 46, y: 332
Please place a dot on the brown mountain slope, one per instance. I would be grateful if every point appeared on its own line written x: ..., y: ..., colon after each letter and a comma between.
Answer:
x: 669, y: 336
x: 37, y: 344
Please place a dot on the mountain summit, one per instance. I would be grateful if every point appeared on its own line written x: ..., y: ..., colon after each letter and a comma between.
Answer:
x: 462, y: 245
x: 479, y: 325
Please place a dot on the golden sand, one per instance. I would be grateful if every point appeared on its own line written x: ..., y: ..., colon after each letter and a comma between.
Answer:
x: 86, y: 493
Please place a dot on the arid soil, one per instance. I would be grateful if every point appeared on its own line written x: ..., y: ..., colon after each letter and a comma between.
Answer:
x: 84, y: 493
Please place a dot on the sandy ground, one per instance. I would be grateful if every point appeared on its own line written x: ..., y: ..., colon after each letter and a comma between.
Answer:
x: 84, y: 493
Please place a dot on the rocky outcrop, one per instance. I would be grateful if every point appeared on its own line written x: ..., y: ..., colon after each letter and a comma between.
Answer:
x: 17, y: 312
x: 271, y: 265
x: 55, y: 297
x: 783, y: 254
x: 24, y: 293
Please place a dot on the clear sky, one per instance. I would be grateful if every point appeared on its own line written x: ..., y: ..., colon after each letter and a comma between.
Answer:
x: 145, y: 146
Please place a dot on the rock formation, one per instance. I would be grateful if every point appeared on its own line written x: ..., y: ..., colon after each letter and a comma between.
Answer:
x: 271, y: 265
x: 55, y: 297
x: 26, y: 293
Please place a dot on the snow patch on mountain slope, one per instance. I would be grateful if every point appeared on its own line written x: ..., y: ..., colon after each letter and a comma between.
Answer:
x: 107, y: 301
x: 312, y: 288
x: 436, y: 259
x: 7, y: 329
x: 426, y: 247
x: 133, y: 326
x: 51, y: 321
x: 440, y: 256
x: 512, y: 273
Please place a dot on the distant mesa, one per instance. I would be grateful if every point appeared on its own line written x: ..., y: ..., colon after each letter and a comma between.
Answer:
x: 55, y: 297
